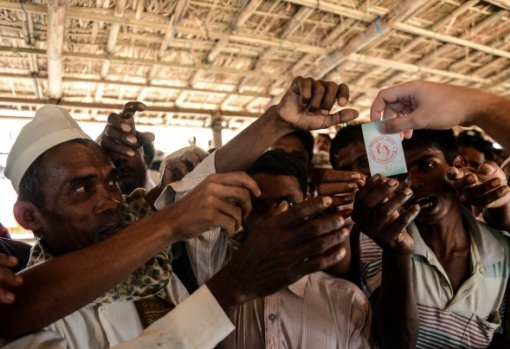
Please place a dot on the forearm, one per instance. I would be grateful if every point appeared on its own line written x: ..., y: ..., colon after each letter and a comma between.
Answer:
x: 490, y: 112
x: 246, y: 147
x: 70, y: 281
x: 396, y: 318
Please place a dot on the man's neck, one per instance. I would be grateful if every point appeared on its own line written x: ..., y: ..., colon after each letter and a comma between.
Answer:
x: 447, y: 237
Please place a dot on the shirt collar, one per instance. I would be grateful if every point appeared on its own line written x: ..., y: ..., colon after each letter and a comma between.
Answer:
x: 489, y: 249
x: 299, y: 287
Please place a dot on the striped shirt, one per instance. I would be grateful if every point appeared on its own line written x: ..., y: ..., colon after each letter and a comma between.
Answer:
x: 317, y: 311
x: 468, y: 318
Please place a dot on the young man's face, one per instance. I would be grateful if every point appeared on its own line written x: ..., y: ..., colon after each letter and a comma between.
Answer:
x: 353, y: 158
x: 274, y: 190
x: 82, y: 202
x: 434, y: 193
x: 472, y: 157
x: 293, y: 146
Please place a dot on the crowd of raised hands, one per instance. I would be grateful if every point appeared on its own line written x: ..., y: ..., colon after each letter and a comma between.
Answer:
x: 308, y: 237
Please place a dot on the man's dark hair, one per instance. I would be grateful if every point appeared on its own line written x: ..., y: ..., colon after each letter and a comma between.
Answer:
x: 443, y: 140
x: 307, y: 139
x: 473, y: 138
x: 32, y: 182
x: 279, y: 163
x: 346, y: 136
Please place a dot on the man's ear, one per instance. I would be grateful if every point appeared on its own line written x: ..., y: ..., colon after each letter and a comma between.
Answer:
x: 27, y: 215
x: 459, y: 162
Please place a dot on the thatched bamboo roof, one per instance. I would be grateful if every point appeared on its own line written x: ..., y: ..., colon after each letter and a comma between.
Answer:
x: 195, y: 61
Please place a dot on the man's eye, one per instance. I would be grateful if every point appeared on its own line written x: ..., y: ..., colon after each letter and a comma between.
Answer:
x: 81, y: 189
x: 427, y: 165
x: 113, y: 183
x: 363, y: 162
x: 290, y: 202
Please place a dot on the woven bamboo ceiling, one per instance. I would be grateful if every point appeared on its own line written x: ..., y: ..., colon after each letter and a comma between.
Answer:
x: 196, y: 62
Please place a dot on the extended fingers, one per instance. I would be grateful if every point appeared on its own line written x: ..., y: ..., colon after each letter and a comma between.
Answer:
x: 8, y: 261
x: 231, y: 215
x: 8, y: 278
x: 334, y: 176
x: 130, y: 108
x: 495, y: 197
x: 342, y: 95
x: 303, y: 88
x: 321, y: 261
x: 300, y: 213
x: 376, y: 190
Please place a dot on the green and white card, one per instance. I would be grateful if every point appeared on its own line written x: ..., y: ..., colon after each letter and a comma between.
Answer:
x: 384, y: 151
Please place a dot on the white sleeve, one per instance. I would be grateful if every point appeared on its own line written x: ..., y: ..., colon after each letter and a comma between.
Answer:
x: 42, y: 339
x: 197, y: 323
x: 190, y: 181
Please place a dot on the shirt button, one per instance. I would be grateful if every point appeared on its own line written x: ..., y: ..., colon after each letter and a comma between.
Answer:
x: 272, y: 317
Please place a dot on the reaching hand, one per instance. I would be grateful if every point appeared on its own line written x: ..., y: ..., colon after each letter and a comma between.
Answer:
x: 8, y: 278
x: 307, y: 104
x: 120, y: 135
x: 341, y: 186
x: 292, y: 243
x: 220, y: 200
x: 174, y: 169
x: 376, y: 213
x: 422, y: 104
x: 484, y: 187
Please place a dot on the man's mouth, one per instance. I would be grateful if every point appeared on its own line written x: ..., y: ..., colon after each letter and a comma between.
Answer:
x: 426, y: 202
x: 110, y: 229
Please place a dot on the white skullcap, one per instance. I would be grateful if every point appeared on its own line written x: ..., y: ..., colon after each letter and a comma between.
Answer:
x: 50, y: 126
x: 320, y: 160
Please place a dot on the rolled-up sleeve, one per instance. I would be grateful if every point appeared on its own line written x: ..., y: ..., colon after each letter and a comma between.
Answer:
x: 199, y: 322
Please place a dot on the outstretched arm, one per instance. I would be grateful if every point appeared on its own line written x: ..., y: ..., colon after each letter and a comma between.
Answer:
x: 376, y: 212
x: 422, y: 104
x: 73, y: 280
x: 306, y: 106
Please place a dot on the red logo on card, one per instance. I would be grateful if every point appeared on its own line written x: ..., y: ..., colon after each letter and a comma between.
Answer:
x: 382, y: 149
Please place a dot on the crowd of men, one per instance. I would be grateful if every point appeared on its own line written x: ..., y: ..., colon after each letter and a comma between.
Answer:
x: 253, y: 246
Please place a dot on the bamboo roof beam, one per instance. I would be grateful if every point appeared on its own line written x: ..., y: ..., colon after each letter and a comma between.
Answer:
x: 358, y: 58
x: 128, y: 84
x: 241, y: 18
x: 504, y: 4
x: 296, y: 21
x: 375, y: 31
x: 148, y: 62
x: 55, y: 42
x: 151, y: 108
x: 128, y: 19
x: 465, y: 42
x: 110, y: 46
x: 222, y: 43
x: 421, y: 40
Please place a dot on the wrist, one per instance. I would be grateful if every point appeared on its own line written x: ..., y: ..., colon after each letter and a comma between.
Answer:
x: 280, y: 124
x: 226, y: 291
